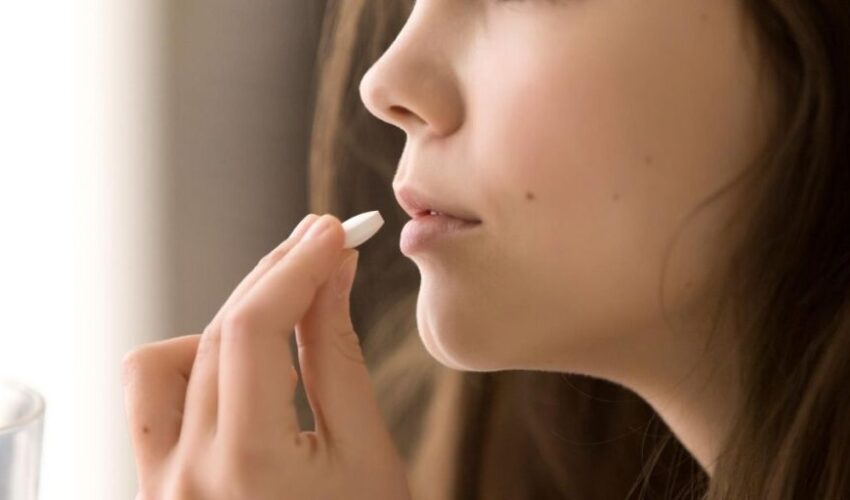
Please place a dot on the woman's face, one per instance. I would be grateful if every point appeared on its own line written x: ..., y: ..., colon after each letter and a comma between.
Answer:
x: 582, y: 133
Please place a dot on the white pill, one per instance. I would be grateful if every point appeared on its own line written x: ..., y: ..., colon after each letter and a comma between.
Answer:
x: 361, y: 227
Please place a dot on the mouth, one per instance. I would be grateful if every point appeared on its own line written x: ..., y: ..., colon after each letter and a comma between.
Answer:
x: 430, y: 214
x: 419, y: 205
x: 426, y: 231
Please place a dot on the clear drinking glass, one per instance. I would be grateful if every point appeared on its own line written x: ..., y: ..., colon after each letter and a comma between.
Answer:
x: 21, y: 427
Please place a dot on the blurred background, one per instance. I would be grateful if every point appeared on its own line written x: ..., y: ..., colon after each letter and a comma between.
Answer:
x: 151, y: 153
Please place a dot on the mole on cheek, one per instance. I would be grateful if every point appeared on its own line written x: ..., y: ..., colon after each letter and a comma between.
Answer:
x: 529, y: 196
x: 146, y: 430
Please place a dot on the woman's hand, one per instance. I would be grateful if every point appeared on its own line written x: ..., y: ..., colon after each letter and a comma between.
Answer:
x: 211, y: 416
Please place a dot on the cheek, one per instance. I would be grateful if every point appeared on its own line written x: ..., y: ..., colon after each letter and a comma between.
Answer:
x: 588, y: 168
x: 561, y: 234
x: 566, y: 181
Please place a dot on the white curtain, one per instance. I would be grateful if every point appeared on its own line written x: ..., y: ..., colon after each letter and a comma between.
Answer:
x: 150, y: 153
x: 80, y: 157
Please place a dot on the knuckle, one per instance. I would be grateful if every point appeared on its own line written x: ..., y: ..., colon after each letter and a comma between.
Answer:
x: 242, y: 468
x: 264, y: 261
x: 278, y: 253
x: 308, y: 445
x: 245, y: 460
x: 135, y: 363
x: 275, y: 255
x: 210, y: 330
x: 183, y: 485
x: 235, y: 324
x: 209, y: 342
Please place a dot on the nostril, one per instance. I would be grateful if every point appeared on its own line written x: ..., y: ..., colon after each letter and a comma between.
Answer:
x: 403, y: 116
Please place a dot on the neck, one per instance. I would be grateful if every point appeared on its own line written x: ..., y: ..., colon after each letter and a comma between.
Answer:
x: 697, y: 398
x: 692, y: 384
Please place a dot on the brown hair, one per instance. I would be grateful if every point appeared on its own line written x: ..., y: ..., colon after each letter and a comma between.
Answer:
x: 523, y: 435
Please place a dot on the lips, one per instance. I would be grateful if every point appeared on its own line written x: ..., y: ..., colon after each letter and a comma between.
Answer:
x: 418, y: 204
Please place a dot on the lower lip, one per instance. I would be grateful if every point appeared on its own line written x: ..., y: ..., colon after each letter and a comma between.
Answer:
x: 425, y: 230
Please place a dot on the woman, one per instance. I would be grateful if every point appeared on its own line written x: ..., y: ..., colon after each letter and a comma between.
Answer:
x: 661, y: 190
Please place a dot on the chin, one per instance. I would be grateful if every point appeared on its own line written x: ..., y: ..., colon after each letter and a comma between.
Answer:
x: 452, y: 345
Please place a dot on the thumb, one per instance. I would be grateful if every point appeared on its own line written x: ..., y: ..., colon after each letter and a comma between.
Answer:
x: 333, y: 369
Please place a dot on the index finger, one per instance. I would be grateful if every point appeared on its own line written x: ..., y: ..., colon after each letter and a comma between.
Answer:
x: 256, y: 363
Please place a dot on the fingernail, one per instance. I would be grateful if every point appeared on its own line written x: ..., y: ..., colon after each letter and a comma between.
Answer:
x: 345, y: 276
x: 318, y: 227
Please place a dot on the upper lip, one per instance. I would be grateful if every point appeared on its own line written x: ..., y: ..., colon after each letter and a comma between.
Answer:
x: 417, y: 203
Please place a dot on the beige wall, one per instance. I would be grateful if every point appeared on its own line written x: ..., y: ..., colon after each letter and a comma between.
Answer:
x: 239, y: 90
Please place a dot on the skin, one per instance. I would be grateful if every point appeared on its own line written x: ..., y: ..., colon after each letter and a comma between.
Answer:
x: 582, y: 134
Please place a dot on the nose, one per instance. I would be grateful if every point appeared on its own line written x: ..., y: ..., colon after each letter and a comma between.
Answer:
x: 414, y: 86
